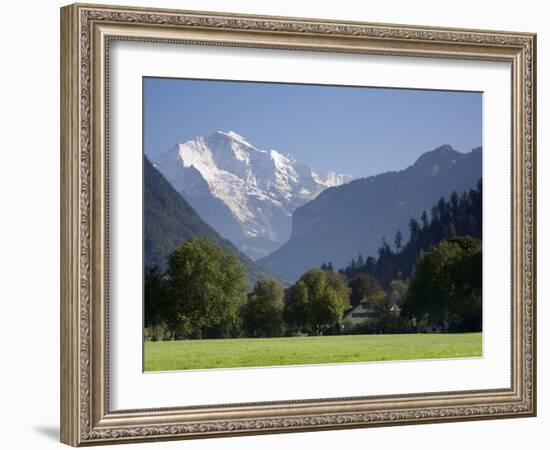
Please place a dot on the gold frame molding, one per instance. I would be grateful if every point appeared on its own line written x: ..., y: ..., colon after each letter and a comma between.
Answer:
x: 86, y: 31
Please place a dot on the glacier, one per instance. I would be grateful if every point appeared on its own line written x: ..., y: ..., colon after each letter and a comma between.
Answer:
x: 246, y: 193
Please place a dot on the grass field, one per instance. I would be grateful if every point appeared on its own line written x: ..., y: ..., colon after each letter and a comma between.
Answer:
x: 226, y: 353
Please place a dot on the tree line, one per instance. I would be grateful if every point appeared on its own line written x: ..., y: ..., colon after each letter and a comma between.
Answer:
x: 203, y: 293
x: 433, y: 281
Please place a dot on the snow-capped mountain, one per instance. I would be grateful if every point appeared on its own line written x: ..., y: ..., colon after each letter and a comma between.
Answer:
x: 247, y: 194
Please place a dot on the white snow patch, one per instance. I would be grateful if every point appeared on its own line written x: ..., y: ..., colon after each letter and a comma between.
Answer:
x: 256, y: 185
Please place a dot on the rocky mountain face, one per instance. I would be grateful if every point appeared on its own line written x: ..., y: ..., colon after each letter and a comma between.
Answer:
x: 247, y: 194
x: 355, y: 217
x: 169, y: 221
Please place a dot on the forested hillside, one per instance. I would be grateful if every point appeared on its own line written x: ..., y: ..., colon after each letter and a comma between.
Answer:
x: 354, y: 217
x: 169, y: 221
x: 459, y: 215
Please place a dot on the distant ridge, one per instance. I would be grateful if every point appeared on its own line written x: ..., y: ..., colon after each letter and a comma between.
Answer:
x: 356, y: 216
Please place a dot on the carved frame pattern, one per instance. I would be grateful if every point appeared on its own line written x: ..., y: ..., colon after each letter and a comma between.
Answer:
x: 85, y: 416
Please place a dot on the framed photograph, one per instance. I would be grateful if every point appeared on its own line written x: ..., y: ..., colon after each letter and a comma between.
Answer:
x: 277, y: 224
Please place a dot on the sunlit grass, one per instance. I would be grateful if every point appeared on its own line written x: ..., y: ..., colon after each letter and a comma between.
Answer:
x: 226, y: 353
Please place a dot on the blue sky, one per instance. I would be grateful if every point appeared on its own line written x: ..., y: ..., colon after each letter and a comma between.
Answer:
x: 358, y: 131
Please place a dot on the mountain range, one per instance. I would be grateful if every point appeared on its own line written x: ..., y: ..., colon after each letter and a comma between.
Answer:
x: 245, y: 193
x: 169, y: 221
x: 355, y: 217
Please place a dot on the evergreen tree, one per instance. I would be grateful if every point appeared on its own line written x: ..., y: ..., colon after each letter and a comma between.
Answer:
x: 414, y: 229
x: 424, y: 220
x: 398, y: 241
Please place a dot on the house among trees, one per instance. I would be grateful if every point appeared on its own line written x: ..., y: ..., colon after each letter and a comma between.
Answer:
x: 367, y: 316
x: 360, y: 313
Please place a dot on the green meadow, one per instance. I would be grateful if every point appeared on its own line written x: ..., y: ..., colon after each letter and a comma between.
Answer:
x: 252, y: 352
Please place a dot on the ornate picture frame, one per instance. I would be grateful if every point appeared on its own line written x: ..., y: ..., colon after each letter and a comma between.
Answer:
x: 87, y: 31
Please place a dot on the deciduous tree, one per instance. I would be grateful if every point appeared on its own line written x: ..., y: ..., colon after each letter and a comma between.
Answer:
x: 446, y: 288
x: 206, y: 284
x: 317, y: 301
x: 364, y: 286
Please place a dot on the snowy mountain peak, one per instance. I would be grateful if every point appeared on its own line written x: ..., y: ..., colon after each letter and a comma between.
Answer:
x: 247, y: 194
x: 235, y: 136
